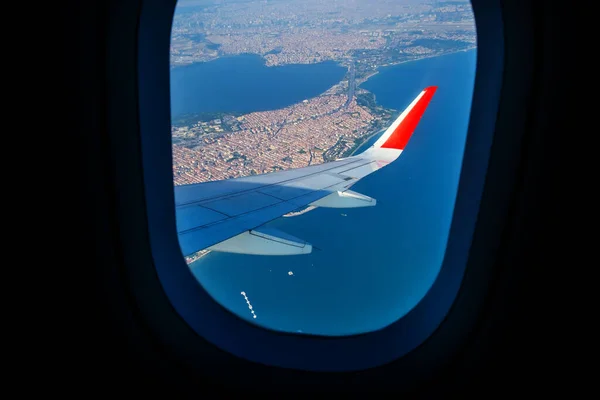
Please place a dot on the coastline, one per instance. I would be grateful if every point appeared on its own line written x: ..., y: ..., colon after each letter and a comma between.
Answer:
x: 424, y: 57
x: 189, y: 260
x: 369, y: 136
x: 359, y: 82
x: 366, y: 78
x: 339, y: 62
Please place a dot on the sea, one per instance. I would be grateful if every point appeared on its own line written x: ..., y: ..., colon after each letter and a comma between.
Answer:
x: 370, y: 266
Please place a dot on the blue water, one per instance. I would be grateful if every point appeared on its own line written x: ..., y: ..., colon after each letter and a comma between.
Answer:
x: 376, y: 263
x: 244, y: 84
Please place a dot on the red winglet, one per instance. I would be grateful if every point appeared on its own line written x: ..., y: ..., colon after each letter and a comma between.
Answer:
x: 399, y: 138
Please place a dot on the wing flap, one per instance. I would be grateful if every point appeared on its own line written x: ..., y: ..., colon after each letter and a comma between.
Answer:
x: 263, y: 241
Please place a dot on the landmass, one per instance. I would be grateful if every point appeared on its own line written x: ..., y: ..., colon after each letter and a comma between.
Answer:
x: 362, y: 35
x: 311, y: 132
x: 368, y: 33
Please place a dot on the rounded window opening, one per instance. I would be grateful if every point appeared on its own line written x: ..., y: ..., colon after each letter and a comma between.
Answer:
x: 317, y: 148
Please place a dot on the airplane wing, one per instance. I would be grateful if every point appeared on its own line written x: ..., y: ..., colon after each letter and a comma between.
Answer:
x: 229, y: 215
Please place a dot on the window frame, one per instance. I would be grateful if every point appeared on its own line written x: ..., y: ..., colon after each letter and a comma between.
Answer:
x: 184, y: 317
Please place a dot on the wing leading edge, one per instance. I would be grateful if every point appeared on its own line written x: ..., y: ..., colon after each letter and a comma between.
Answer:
x: 228, y: 215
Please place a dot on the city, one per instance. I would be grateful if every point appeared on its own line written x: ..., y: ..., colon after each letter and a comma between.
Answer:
x: 361, y: 36
x: 293, y: 137
x: 373, y: 33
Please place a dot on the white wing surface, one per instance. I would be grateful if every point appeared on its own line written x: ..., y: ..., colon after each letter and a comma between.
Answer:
x: 229, y: 215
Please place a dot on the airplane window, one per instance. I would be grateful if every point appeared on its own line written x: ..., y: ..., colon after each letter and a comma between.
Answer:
x: 302, y: 205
